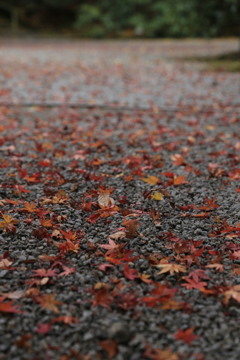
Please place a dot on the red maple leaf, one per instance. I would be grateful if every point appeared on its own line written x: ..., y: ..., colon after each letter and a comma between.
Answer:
x: 44, y: 273
x: 193, y: 284
x: 110, y: 247
x: 102, y: 297
x: 186, y: 335
x: 105, y: 266
x: 210, y: 205
x: 43, y: 328
x: 9, y: 307
x: 66, y: 319
x: 129, y: 273
x: 67, y: 271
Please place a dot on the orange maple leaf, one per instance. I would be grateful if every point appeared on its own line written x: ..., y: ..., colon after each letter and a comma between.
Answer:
x: 159, y: 354
x: 179, y: 180
x: 171, y: 268
x: 232, y: 292
x: 8, y: 223
x: 29, y: 207
x: 48, y: 301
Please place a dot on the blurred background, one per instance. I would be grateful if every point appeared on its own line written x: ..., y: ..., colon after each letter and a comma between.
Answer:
x: 121, y: 18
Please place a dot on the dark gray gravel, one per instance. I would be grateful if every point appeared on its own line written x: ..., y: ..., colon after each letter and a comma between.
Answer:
x: 60, y: 159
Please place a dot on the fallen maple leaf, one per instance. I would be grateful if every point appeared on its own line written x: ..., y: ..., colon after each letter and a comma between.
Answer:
x: 105, y: 266
x: 20, y: 188
x: 67, y: 271
x: 67, y: 246
x: 218, y: 267
x: 179, y: 180
x: 44, y: 273
x: 210, y: 205
x: 8, y: 223
x: 171, y: 268
x: 157, y: 196
x: 69, y: 235
x: 131, y: 226
x: 66, y: 319
x: 110, y: 247
x: 152, y: 180
x: 110, y: 346
x: 193, y: 284
x: 232, y: 292
x: 29, y: 207
x: 46, y: 222
x: 129, y: 273
x: 178, y: 159
x: 9, y: 307
x: 48, y: 301
x: 158, y: 354
x: 102, y: 297
x: 186, y: 335
x: 43, y: 328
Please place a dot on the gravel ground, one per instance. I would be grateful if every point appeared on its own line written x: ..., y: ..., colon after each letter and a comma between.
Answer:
x: 119, y: 223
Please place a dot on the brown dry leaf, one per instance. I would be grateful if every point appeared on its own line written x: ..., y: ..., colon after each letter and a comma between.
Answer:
x: 110, y: 346
x: 171, y: 268
x: 49, y: 302
x: 236, y: 270
x: 131, y: 226
x: 24, y: 341
x: 159, y: 354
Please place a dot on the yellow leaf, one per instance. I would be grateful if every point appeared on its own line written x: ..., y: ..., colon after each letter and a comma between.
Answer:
x: 157, y: 196
x: 152, y: 180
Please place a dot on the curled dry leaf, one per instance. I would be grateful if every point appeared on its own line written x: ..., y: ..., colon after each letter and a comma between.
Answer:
x: 105, y: 201
x: 13, y: 295
x: 5, y: 263
x: 117, y: 235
